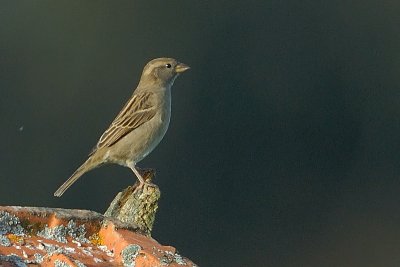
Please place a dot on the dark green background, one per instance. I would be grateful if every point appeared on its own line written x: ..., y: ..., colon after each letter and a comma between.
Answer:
x: 284, y: 144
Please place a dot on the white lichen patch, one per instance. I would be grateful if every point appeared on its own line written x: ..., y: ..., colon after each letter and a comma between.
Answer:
x: 49, y: 248
x: 179, y: 259
x: 29, y: 246
x: 129, y: 254
x: 4, y: 241
x: 70, y: 250
x: 97, y: 260
x: 58, y: 263
x: 170, y: 257
x: 10, y: 224
x: 106, y: 250
x: 79, y: 264
x: 77, y: 232
x: 87, y: 252
x: 40, y: 246
x: 78, y: 244
x: 54, y: 249
x: 38, y: 258
x: 57, y: 233
x: 61, y: 232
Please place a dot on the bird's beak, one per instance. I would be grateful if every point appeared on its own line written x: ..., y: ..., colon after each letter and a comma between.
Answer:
x: 180, y: 67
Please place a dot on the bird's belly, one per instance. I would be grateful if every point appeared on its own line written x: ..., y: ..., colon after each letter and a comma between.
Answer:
x: 140, y: 142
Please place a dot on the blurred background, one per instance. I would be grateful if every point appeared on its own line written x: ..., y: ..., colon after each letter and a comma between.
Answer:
x: 284, y: 143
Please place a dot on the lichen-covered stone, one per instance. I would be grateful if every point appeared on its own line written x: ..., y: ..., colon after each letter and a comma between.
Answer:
x: 129, y: 255
x: 137, y: 206
x: 10, y: 224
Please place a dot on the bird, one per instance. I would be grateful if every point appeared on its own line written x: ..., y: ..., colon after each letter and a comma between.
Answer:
x: 139, y: 126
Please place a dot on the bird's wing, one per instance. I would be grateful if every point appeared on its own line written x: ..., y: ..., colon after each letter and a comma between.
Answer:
x: 137, y: 111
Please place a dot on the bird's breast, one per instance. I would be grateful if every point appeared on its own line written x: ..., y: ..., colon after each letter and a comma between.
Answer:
x: 140, y: 142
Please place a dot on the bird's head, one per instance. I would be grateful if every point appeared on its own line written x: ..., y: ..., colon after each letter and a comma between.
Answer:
x: 162, y: 70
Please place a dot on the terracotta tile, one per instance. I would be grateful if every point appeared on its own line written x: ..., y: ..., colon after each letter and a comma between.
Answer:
x: 32, y: 236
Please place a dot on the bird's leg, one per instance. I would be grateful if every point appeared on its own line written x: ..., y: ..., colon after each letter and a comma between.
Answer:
x: 139, y: 176
x: 142, y: 182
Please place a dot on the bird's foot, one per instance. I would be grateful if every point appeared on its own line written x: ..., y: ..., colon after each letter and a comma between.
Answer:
x: 143, y: 185
x: 144, y: 176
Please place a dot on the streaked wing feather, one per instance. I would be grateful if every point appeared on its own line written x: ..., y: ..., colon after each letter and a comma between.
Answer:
x: 136, y: 111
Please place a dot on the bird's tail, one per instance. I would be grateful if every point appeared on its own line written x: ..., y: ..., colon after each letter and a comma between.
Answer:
x: 85, y: 167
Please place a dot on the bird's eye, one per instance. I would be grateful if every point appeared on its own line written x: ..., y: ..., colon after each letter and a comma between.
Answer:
x: 168, y: 66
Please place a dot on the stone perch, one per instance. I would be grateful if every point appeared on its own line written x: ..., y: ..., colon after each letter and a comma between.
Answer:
x: 137, y: 207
